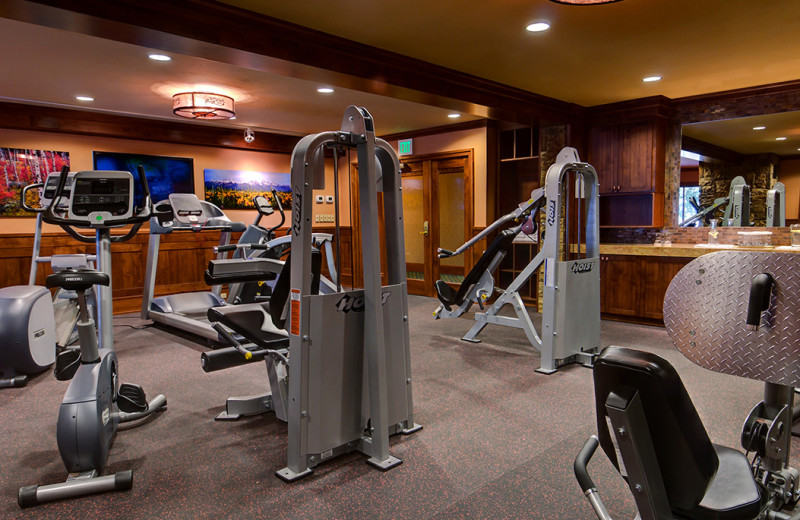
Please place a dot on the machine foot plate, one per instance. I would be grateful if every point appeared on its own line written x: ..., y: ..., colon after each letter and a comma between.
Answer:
x: 384, y: 465
x: 287, y: 475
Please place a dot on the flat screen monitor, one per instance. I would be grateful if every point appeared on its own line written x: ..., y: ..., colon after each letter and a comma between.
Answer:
x: 165, y: 175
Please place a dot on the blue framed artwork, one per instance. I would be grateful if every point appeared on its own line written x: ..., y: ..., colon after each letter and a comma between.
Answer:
x: 235, y: 189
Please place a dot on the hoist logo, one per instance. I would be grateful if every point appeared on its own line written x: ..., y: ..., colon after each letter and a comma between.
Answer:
x: 551, y: 213
x: 297, y: 211
x: 356, y: 303
x: 582, y: 267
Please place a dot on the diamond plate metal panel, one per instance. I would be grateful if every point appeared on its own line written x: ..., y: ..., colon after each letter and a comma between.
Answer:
x: 705, y: 312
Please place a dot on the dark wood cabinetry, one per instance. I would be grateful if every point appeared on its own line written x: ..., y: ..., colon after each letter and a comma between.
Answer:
x: 630, y: 159
x: 633, y: 287
x: 514, y: 263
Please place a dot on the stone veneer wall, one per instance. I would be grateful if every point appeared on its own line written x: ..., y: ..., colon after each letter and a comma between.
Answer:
x: 687, y: 235
x: 759, y: 173
x: 672, y: 173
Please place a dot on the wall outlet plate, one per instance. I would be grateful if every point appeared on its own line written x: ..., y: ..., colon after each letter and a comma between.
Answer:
x: 329, y: 199
x: 320, y: 199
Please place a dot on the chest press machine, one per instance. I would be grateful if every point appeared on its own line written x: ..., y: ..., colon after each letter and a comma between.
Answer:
x: 571, y: 311
x: 345, y: 380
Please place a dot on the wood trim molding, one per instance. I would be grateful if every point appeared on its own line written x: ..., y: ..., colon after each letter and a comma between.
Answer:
x: 467, y: 125
x: 244, y: 37
x: 710, y: 151
x: 19, y: 116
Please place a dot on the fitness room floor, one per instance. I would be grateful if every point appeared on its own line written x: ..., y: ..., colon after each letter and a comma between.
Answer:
x: 498, y: 438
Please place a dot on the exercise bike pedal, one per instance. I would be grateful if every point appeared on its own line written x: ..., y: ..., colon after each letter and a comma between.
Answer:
x: 131, y: 398
x: 67, y: 363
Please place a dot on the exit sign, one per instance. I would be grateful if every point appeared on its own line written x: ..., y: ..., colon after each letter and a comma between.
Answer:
x: 404, y: 147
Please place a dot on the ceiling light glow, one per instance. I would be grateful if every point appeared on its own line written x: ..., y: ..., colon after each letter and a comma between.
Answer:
x: 759, y: 128
x: 453, y: 116
x: 584, y: 2
x: 84, y: 98
x: 780, y: 138
x: 325, y: 90
x: 651, y: 79
x: 538, y: 27
x: 159, y: 57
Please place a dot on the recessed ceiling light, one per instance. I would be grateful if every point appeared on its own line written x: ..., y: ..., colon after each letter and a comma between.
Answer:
x: 759, y: 128
x: 538, y: 27
x: 159, y: 57
x: 453, y: 116
x: 325, y: 90
x: 84, y: 98
x: 650, y: 79
x: 780, y: 138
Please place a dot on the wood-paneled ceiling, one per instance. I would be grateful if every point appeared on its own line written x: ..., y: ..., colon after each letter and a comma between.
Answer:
x: 55, y: 49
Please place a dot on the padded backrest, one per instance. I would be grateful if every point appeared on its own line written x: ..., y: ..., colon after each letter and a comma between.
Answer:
x: 501, y: 243
x: 280, y: 291
x: 686, y: 457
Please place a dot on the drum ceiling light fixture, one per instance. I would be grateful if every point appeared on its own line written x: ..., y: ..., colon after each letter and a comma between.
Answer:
x: 202, y: 105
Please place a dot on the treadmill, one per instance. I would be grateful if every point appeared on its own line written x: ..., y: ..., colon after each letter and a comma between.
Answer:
x: 185, y: 311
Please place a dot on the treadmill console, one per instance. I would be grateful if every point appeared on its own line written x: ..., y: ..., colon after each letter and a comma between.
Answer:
x: 101, y: 197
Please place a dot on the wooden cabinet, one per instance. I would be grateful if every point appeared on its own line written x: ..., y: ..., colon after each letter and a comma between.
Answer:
x: 630, y: 161
x: 633, y: 287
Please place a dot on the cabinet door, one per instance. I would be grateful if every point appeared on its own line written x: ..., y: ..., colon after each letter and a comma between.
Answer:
x: 603, y: 156
x: 620, y: 279
x: 636, y: 151
x: 658, y: 273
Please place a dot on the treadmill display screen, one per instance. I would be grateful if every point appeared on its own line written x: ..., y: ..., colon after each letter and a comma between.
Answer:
x: 112, y: 195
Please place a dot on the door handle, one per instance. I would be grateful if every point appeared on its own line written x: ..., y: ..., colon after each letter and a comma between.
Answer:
x: 424, y: 229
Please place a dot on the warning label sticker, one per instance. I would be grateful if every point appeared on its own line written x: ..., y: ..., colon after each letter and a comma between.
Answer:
x: 294, y: 328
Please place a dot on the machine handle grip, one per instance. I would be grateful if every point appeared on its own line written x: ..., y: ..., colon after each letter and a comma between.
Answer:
x: 230, y: 339
x: 23, y: 194
x: 225, y: 358
x: 225, y: 248
x: 581, y: 473
x: 444, y: 253
x: 760, y: 290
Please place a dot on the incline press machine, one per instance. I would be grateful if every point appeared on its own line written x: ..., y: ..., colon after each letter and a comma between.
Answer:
x: 570, y: 255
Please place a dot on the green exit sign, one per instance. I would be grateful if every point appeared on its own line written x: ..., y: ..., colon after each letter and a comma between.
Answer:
x: 404, y: 147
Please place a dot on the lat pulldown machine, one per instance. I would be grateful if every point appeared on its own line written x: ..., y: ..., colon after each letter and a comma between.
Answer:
x: 571, y: 310
x: 348, y: 362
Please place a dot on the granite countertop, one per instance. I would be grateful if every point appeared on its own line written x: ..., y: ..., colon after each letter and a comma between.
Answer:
x: 682, y: 250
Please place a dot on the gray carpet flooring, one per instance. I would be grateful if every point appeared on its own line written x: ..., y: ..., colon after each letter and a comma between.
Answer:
x: 498, y: 438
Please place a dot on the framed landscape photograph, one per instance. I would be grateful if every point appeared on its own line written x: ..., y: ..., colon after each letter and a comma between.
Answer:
x: 235, y: 189
x: 21, y: 167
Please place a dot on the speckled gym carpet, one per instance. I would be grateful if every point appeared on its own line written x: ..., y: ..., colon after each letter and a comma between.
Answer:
x: 498, y: 438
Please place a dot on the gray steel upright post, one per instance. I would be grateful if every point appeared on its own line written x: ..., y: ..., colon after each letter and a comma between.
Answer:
x: 359, y: 121
x: 105, y: 306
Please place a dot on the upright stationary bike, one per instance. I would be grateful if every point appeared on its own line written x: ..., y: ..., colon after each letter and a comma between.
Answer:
x: 95, y: 402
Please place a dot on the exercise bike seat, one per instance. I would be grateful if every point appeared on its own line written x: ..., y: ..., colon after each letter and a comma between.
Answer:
x: 449, y: 297
x: 79, y: 280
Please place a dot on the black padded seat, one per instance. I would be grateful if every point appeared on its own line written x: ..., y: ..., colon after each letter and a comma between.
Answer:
x: 263, y: 323
x: 79, y: 280
x: 701, y: 480
x: 448, y: 296
x: 252, y: 321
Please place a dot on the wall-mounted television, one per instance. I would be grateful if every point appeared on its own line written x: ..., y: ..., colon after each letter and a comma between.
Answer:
x: 165, y: 175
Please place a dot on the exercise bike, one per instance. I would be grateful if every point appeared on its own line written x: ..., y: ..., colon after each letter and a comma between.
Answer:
x: 95, y: 402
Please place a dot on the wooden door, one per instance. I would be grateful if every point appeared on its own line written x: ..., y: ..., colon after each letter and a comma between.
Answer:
x: 437, y: 212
